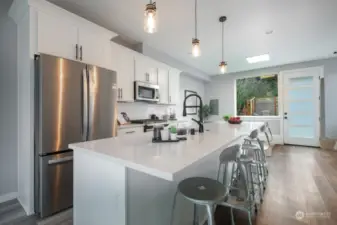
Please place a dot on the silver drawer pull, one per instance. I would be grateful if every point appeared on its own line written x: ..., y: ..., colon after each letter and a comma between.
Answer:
x: 57, y: 161
x: 130, y: 132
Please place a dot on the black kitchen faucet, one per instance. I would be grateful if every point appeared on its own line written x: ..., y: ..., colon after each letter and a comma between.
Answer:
x: 201, y: 119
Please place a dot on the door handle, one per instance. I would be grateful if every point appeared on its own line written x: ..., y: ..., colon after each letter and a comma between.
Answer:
x: 81, y: 53
x: 118, y: 93
x: 62, y: 160
x: 121, y: 93
x: 76, y: 48
x: 85, y: 105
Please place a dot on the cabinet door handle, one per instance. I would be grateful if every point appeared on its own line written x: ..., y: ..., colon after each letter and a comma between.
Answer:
x: 76, y: 48
x: 121, y: 93
x: 81, y: 53
x: 118, y: 93
x: 130, y: 132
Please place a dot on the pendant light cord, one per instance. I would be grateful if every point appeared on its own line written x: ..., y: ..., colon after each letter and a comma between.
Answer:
x: 196, y: 19
x: 222, y: 41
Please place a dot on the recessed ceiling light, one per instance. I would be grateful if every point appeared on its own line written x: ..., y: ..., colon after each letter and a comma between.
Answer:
x: 260, y: 58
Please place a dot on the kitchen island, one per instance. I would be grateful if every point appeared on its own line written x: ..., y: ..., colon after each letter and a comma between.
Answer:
x: 130, y: 180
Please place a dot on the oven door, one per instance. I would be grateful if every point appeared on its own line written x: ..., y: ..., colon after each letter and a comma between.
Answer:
x: 146, y: 92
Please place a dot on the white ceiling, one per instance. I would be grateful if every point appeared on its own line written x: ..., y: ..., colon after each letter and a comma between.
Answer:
x: 302, y: 29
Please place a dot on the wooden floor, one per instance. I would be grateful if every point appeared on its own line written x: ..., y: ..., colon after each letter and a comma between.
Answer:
x: 301, y: 179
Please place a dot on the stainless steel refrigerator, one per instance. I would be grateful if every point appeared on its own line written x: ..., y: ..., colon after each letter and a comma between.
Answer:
x: 74, y: 102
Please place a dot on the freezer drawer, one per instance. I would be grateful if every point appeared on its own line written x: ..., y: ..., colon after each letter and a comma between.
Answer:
x: 56, y: 183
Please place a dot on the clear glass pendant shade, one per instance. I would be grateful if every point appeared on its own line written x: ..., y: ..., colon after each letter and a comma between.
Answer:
x: 223, y: 67
x: 150, y: 18
x: 196, y: 48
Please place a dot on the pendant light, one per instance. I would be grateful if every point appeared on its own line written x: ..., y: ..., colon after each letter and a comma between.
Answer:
x: 195, y: 41
x: 150, y: 18
x: 223, y: 64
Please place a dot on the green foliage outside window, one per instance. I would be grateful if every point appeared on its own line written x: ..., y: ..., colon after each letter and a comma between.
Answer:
x: 248, y: 88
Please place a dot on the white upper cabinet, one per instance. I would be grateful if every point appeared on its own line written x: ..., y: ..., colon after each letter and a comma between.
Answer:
x: 57, y: 36
x: 163, y: 82
x: 73, y: 38
x: 125, y: 69
x: 174, y: 86
x: 146, y: 69
x: 95, y: 47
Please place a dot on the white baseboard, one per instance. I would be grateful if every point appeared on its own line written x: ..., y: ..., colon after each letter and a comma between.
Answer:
x: 28, y: 211
x: 278, y: 140
x: 8, y: 197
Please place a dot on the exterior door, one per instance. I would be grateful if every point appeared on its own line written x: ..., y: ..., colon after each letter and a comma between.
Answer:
x: 102, y: 105
x: 301, y: 97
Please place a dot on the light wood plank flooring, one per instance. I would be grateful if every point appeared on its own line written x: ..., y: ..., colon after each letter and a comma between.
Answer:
x: 300, y: 179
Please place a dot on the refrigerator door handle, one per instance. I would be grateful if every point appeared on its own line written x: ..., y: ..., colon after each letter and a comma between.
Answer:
x: 62, y: 160
x: 85, y: 106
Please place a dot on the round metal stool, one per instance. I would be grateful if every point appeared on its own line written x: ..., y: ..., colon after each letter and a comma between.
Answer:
x: 201, y: 191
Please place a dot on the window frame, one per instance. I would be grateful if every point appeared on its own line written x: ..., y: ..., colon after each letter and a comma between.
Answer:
x: 279, y: 97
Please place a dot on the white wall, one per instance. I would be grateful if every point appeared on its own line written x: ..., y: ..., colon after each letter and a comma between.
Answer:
x: 189, y: 83
x: 8, y: 102
x: 223, y: 87
x: 139, y: 110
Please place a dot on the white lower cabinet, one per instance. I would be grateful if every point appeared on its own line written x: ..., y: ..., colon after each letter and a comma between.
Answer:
x: 129, y: 131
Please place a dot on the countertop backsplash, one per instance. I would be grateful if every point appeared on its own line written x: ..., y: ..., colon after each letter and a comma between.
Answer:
x: 140, y: 110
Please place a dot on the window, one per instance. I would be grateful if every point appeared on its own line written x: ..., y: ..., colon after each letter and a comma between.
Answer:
x: 257, y: 96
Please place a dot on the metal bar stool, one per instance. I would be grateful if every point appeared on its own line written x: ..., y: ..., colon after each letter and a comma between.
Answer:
x: 256, y: 154
x: 205, y: 191
x: 243, y: 199
x: 200, y: 191
x: 254, y: 143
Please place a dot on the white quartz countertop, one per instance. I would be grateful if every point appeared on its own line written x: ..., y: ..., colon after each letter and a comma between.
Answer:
x: 165, y: 159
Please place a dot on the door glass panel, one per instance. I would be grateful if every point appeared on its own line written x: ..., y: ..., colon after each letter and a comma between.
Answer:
x: 301, y: 132
x: 301, y: 119
x: 300, y: 93
x: 301, y: 106
x: 297, y: 81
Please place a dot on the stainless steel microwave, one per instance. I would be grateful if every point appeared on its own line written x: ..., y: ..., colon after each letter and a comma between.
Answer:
x: 146, y: 92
